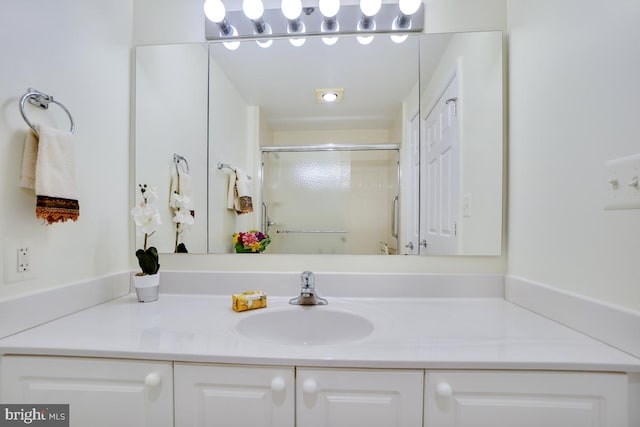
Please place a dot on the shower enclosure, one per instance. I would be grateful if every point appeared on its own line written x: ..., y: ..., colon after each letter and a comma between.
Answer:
x: 331, y: 199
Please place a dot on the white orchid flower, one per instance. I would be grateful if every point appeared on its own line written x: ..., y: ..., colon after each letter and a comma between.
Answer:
x: 183, y: 217
x: 146, y: 215
x: 179, y: 201
x: 150, y: 195
x: 146, y: 218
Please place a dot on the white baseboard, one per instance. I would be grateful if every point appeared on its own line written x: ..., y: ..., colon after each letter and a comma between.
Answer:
x: 611, y: 324
x: 26, y: 311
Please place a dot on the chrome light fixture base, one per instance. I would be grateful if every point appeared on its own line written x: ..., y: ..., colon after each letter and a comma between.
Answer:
x: 347, y: 18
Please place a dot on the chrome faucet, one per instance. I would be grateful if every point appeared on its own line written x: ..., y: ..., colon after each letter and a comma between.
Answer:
x: 308, y: 295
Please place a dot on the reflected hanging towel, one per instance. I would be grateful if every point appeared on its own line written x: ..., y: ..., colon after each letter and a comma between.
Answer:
x: 239, y: 192
x: 48, y: 167
x: 181, y: 190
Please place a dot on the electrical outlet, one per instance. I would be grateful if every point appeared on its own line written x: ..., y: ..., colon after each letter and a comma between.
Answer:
x: 18, y: 257
x: 24, y: 259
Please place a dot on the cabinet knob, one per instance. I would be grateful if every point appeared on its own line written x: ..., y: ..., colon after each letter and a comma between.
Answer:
x: 152, y: 380
x: 278, y: 385
x: 309, y: 386
x: 444, y: 390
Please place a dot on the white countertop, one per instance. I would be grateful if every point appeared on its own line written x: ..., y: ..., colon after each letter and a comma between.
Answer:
x: 420, y: 333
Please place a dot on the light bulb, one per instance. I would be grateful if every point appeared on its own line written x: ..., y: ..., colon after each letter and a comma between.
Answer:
x: 234, y: 44
x: 365, y: 40
x: 409, y: 7
x: 370, y: 7
x: 253, y: 9
x: 291, y: 9
x: 330, y: 41
x: 264, y: 43
x: 214, y: 10
x: 329, y: 97
x: 399, y: 38
x: 297, y: 42
x: 330, y: 26
x: 329, y: 8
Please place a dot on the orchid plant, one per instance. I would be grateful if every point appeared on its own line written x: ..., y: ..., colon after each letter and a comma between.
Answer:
x: 182, y: 215
x: 147, y: 219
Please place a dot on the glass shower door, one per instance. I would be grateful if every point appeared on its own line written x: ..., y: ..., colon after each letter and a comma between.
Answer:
x: 330, y: 202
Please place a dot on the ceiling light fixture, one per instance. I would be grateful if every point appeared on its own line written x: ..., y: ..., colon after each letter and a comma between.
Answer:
x: 330, y: 24
x: 407, y: 9
x: 254, y: 9
x: 292, y: 9
x: 369, y: 9
x: 329, y: 96
x: 398, y: 38
x: 365, y: 40
x: 214, y: 11
x: 329, y: 20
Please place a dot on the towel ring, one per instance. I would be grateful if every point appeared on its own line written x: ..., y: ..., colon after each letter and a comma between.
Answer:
x: 41, y: 100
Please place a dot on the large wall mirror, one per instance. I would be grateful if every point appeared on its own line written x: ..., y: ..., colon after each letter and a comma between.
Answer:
x: 408, y: 160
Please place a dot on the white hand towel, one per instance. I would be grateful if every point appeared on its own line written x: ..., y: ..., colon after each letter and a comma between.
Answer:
x: 181, y: 190
x: 29, y: 156
x: 51, y: 172
x: 231, y: 191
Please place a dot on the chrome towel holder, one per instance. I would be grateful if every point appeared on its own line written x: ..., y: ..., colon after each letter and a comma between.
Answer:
x: 42, y: 100
x: 177, y: 158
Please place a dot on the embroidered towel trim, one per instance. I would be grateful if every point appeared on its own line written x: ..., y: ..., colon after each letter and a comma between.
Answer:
x: 49, y: 169
x: 242, y: 200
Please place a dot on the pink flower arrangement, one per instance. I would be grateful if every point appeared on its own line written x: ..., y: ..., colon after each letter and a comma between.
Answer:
x: 251, y: 241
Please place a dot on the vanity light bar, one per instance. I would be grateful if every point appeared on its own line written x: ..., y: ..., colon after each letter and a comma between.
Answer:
x: 348, y: 20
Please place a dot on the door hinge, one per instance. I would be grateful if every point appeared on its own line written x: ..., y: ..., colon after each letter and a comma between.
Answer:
x: 455, y: 228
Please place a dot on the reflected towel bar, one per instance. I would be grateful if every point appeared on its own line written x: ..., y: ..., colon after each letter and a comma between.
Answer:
x: 177, y: 158
x: 228, y: 166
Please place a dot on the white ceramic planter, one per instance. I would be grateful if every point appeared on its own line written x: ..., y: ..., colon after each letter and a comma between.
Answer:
x: 147, y: 287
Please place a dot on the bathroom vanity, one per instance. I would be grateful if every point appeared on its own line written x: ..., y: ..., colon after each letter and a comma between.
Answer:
x: 187, y: 360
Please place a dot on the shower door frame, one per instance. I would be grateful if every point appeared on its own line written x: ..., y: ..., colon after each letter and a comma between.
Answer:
x: 395, y: 205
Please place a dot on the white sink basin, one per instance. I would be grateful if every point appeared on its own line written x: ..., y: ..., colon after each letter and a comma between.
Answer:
x: 313, y: 325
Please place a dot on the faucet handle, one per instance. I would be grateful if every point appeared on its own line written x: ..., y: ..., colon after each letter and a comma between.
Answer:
x: 308, y: 279
x: 308, y: 294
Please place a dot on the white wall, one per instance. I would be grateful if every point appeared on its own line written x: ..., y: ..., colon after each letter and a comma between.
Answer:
x: 476, y: 59
x: 79, y: 52
x: 230, y: 133
x: 574, y: 70
x: 170, y: 80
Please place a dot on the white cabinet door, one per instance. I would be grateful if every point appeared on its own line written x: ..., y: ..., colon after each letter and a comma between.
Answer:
x: 233, y: 396
x: 525, y: 399
x: 99, y: 392
x: 352, y: 397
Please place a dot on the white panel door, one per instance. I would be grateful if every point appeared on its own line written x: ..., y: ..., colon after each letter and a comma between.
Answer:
x: 348, y: 397
x: 525, y: 399
x: 233, y: 396
x: 100, y: 392
x: 411, y: 237
x: 439, y: 186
